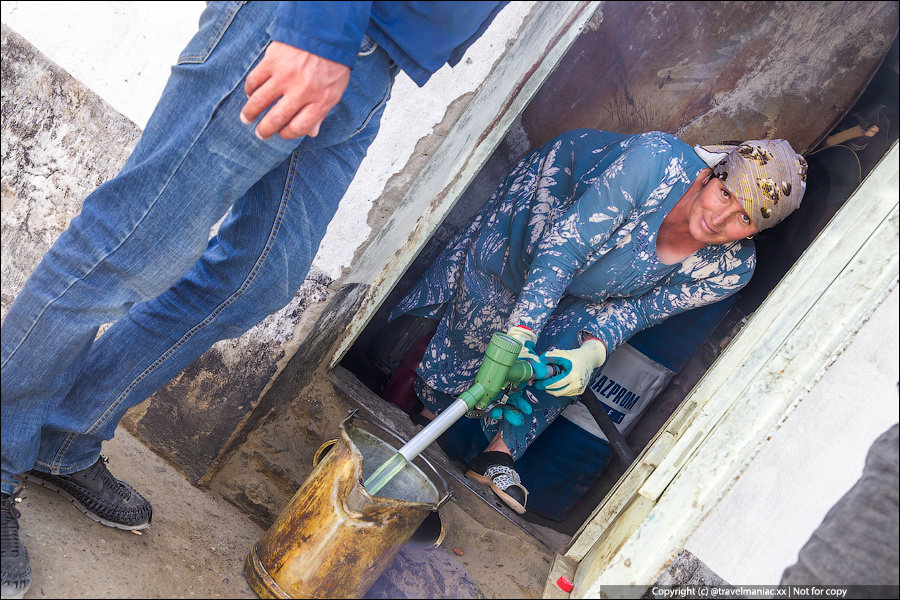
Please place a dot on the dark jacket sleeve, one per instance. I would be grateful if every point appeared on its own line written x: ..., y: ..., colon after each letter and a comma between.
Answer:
x: 332, y: 30
x: 420, y: 37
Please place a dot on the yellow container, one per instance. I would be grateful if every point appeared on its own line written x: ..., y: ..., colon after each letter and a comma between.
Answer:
x: 334, y: 539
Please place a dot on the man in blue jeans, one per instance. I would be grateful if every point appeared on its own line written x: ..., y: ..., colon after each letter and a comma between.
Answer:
x: 266, y: 117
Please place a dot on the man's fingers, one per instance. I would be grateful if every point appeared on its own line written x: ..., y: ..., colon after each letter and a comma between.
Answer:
x: 278, y: 116
x: 296, y: 87
x: 308, y: 116
x: 289, y: 117
x: 257, y: 103
x: 256, y: 78
x: 305, y: 122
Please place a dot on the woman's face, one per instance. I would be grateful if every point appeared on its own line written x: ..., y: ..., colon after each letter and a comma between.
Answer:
x: 716, y: 216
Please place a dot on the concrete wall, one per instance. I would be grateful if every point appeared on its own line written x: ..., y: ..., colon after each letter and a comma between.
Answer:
x: 60, y: 140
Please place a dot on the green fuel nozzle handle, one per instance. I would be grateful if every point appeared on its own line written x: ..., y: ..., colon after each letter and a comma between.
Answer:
x: 499, y: 368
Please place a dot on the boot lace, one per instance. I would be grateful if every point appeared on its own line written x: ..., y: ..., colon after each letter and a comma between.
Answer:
x: 10, y: 525
x: 109, y: 482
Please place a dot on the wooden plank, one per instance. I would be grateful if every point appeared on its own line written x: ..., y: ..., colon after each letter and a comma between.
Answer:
x: 682, y: 417
x: 613, y: 538
x: 608, y: 510
x: 627, y: 485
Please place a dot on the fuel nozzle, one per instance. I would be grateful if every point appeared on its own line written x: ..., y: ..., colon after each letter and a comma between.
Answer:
x: 499, y: 368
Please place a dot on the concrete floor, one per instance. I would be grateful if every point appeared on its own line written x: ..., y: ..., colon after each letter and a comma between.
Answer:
x: 195, y: 547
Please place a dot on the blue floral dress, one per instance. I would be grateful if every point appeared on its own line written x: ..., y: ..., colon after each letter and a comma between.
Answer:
x: 567, y: 247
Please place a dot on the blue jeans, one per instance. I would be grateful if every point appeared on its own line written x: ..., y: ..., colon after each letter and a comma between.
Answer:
x: 140, y: 253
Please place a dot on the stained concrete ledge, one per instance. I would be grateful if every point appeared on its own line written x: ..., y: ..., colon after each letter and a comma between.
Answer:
x: 60, y: 141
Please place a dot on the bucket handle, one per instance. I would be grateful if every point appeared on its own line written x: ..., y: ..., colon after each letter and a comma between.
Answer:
x: 444, y: 501
x: 329, y: 444
x: 322, y: 451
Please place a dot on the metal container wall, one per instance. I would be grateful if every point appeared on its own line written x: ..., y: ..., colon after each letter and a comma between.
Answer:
x: 713, y: 71
x: 334, y: 539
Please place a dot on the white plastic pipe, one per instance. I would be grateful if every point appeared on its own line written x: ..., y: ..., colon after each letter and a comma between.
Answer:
x: 433, y: 430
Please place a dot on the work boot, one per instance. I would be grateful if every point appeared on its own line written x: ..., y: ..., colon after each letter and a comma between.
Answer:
x: 16, y: 569
x: 99, y: 495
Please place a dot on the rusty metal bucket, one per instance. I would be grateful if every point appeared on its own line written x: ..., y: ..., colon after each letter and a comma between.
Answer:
x: 334, y: 539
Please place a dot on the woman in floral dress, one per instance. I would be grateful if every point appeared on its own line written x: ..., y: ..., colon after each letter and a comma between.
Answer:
x: 591, y: 238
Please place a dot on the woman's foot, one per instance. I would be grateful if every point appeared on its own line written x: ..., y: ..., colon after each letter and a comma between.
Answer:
x: 495, y: 468
x: 422, y: 418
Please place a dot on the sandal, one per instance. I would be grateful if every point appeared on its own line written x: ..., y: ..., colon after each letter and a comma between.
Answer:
x: 496, y: 470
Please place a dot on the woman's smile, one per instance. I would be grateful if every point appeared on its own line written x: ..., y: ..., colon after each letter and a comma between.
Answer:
x: 706, y: 227
x: 717, y: 217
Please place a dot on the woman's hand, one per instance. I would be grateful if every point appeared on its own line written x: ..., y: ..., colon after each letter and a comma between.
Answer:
x: 527, y: 338
x: 577, y: 365
x: 514, y: 410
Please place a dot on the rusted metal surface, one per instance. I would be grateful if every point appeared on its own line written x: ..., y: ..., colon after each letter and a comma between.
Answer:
x: 713, y: 71
x: 333, y: 540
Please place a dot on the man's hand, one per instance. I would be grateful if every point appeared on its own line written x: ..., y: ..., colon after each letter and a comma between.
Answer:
x: 303, y: 87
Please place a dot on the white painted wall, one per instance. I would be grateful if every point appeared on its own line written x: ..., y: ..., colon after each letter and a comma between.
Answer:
x: 812, y: 460
x: 122, y: 51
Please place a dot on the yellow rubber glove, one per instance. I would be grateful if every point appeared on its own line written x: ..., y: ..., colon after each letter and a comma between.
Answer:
x: 523, y: 335
x: 577, y: 365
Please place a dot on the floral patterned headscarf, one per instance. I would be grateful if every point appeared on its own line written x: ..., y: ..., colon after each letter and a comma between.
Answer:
x: 767, y: 176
